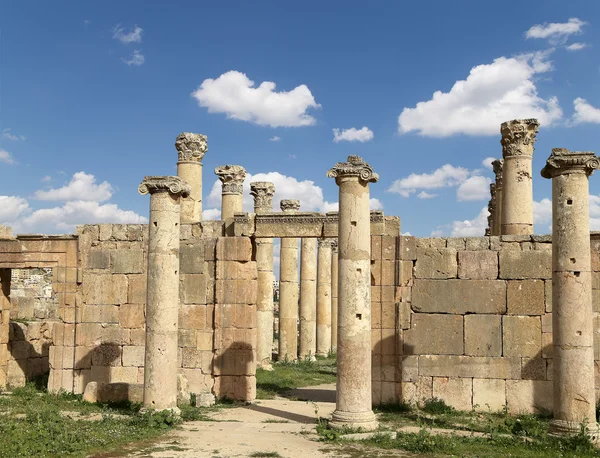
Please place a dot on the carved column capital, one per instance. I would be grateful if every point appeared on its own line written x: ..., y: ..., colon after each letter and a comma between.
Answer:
x: 289, y: 205
x: 325, y: 242
x: 232, y: 177
x: 334, y: 245
x: 498, y: 166
x: 263, y: 192
x: 562, y: 161
x: 171, y: 184
x: 191, y: 147
x: 355, y: 167
x: 518, y: 137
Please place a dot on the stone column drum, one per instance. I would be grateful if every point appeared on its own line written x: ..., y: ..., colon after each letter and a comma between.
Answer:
x: 288, y: 291
x: 232, y: 177
x: 263, y: 192
x: 572, y: 311
x: 191, y: 149
x: 334, y: 294
x: 518, y: 137
x: 162, y: 293
x: 353, y: 395
x: 324, y: 297
x: 308, y: 298
x: 497, y: 165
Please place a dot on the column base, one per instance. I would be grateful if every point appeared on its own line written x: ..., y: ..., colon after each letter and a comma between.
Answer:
x: 265, y: 366
x: 562, y: 428
x: 354, y: 420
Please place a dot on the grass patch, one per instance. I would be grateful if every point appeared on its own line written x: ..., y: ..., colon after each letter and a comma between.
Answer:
x: 265, y: 454
x: 287, y: 376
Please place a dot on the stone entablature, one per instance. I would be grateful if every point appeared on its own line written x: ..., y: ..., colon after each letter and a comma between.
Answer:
x: 289, y: 205
x: 191, y: 147
x: 232, y: 177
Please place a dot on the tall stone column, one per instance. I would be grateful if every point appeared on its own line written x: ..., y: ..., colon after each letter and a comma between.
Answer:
x: 353, y: 396
x: 334, y: 294
x: 308, y: 298
x: 498, y: 166
x: 191, y: 149
x: 572, y: 313
x: 518, y: 137
x: 288, y: 290
x: 162, y: 291
x: 324, y: 297
x: 263, y: 191
x: 232, y: 177
x: 491, y: 210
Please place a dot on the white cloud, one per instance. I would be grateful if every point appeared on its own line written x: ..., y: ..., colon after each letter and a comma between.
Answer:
x: 233, y: 93
x: 6, y: 133
x: 81, y: 187
x: 471, y: 228
x: 6, y: 157
x: 445, y: 176
x: 375, y: 204
x: 274, y: 139
x: 556, y: 32
x: 127, y: 37
x: 353, y: 134
x: 584, y: 112
x: 474, y: 188
x: 491, y: 94
x: 426, y: 195
x: 576, y: 46
x: 211, y: 214
x: 12, y: 208
x: 136, y: 59
x: 542, y: 212
x: 487, y: 163
x: 46, y: 179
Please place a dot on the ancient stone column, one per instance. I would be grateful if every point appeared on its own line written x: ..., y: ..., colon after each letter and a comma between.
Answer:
x: 324, y: 297
x: 353, y: 395
x: 162, y: 291
x: 232, y: 177
x: 518, y: 137
x: 572, y: 313
x: 288, y: 291
x: 308, y: 298
x: 263, y: 191
x: 491, y: 210
x: 497, y: 229
x: 334, y: 294
x: 191, y: 149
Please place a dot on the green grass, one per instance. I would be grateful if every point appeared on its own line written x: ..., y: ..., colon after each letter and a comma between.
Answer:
x: 265, y: 455
x: 287, y: 376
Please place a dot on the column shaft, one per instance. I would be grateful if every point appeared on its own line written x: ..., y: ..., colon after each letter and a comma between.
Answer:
x: 288, y: 299
x: 334, y: 297
x: 264, y: 302
x: 308, y: 298
x: 191, y: 206
x: 324, y: 298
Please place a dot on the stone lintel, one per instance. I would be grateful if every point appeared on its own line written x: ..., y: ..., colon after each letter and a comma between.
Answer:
x: 191, y: 147
x: 563, y: 161
x: 171, y: 184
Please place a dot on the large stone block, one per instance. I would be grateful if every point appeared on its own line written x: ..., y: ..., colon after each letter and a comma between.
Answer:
x: 234, y: 249
x: 127, y: 261
x: 408, y: 248
x: 104, y: 289
x: 525, y: 297
x: 522, y: 336
x: 439, y: 263
x: 132, y: 316
x: 529, y: 396
x: 193, y: 289
x: 456, y: 392
x: 191, y: 258
x: 433, y: 334
x: 133, y: 356
x: 483, y: 335
x: 97, y: 259
x: 517, y: 264
x: 478, y: 265
x: 459, y: 296
x: 489, y: 395
x: 469, y: 367
x: 136, y: 292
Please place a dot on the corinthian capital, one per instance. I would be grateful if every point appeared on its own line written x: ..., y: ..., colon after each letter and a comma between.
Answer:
x: 191, y: 147
x: 289, y: 205
x: 518, y: 137
x: 498, y: 166
x: 173, y: 185
x: 355, y: 167
x: 325, y: 243
x: 232, y: 177
x: 262, y: 191
x: 563, y: 161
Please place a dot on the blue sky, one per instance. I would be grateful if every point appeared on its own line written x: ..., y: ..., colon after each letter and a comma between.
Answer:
x: 93, y: 95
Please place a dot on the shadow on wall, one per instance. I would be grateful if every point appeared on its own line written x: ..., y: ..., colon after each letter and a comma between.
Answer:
x: 29, y: 360
x: 537, y: 373
x: 100, y: 364
x: 235, y: 370
x: 387, y: 366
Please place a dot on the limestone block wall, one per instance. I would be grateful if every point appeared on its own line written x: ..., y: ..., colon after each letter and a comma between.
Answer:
x: 474, y: 321
x: 28, y: 350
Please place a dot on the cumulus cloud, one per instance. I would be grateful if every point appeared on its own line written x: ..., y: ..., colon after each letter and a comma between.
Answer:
x: 7, y: 133
x: 353, y: 134
x: 542, y: 212
x: 576, y: 46
x: 6, y: 157
x: 274, y: 139
x: 426, y: 195
x: 474, y: 188
x: 126, y: 37
x: 81, y: 187
x: 491, y: 94
x: 211, y: 214
x: 136, y: 59
x: 487, y: 163
x: 556, y: 32
x: 234, y: 94
x: 12, y: 208
x: 584, y: 112
x: 445, y: 176
x: 471, y: 227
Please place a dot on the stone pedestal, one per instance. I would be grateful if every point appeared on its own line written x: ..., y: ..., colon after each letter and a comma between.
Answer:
x: 334, y: 294
x: 497, y: 217
x: 232, y: 177
x: 324, y: 297
x: 191, y: 149
x: 308, y: 298
x: 262, y: 192
x: 353, y: 400
x: 518, y: 137
x: 162, y: 293
x: 572, y: 313
x: 288, y: 291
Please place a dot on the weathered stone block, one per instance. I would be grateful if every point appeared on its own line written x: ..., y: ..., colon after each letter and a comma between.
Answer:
x: 431, y: 242
x: 191, y: 258
x: 489, y: 395
x: 408, y: 248
x: 132, y: 316
x: 469, y: 366
x: 548, y: 295
x: 533, y: 368
x: 98, y: 259
x: 522, y: 336
x: 529, y: 396
x: 456, y: 392
x: 525, y: 297
x: 104, y: 289
x: 388, y: 248
x: 438, y: 263
x: 193, y: 289
x: 459, y: 296
x: 478, y: 265
x: 127, y: 261
x: 517, y: 264
x: 99, y: 314
x: 434, y: 334
x: 458, y: 243
x: 483, y: 335
x: 136, y: 292
x: 193, y: 317
x: 133, y: 356
x: 477, y: 243
x: 106, y: 355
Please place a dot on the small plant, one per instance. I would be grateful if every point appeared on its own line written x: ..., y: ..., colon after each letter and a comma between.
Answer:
x: 437, y: 406
x: 161, y: 419
x: 265, y: 455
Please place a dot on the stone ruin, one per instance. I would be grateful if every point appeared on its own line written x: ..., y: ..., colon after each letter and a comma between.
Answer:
x: 182, y: 306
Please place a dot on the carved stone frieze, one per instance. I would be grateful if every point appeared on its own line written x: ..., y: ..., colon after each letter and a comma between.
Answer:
x: 172, y: 184
x: 263, y: 192
x: 232, y: 177
x: 191, y: 147
x: 355, y: 167
x: 518, y: 137
x: 563, y: 161
x: 289, y: 205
